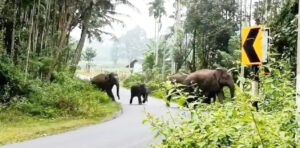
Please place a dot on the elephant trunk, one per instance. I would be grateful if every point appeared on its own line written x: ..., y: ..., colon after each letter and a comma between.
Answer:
x: 118, y: 87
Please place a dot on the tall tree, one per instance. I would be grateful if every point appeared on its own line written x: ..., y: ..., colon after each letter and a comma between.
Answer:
x: 37, y: 32
x: 157, y: 10
x: 88, y: 56
x: 210, y: 24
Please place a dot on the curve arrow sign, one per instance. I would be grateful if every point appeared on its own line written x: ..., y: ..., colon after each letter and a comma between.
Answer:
x: 248, y: 45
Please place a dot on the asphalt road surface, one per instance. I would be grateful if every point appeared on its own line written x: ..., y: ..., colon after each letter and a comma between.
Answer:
x: 125, y: 131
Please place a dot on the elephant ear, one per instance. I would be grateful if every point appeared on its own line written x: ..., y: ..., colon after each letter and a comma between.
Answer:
x: 107, y: 77
x: 223, y: 75
x: 222, y: 71
x: 111, y: 76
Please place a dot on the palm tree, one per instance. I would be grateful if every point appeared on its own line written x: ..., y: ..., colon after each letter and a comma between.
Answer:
x: 157, y: 10
x: 95, y: 14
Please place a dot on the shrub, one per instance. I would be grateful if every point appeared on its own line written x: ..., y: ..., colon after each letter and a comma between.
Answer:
x: 67, y: 96
x: 11, y: 81
x: 236, y: 123
x: 134, y: 79
x: 157, y: 89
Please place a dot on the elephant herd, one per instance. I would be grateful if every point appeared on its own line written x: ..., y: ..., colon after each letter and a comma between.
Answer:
x: 209, y: 82
x: 106, y: 82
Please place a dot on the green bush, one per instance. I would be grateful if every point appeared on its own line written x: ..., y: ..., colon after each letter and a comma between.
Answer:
x: 66, y: 97
x: 11, y: 81
x: 156, y: 89
x: 237, y: 123
x: 134, y: 79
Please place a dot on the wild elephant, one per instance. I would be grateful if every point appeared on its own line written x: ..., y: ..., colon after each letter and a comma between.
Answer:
x: 211, y: 83
x: 106, y: 82
x: 140, y: 90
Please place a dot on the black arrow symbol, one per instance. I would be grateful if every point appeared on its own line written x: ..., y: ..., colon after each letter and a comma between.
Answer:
x: 248, y: 45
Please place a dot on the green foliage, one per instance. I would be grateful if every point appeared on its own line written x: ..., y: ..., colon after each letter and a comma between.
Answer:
x: 11, y: 81
x: 236, y: 123
x: 89, y: 54
x: 134, y: 79
x: 66, y: 97
x: 284, y: 32
x: 156, y: 89
x: 210, y: 28
x: 157, y: 9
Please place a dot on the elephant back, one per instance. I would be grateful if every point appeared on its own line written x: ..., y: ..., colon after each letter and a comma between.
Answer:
x: 178, y: 78
x: 99, y: 79
x: 205, y: 79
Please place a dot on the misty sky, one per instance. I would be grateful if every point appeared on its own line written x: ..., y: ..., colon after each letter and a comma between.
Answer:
x: 135, y: 18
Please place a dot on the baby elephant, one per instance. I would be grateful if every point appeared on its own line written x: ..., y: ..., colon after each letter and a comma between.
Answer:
x: 138, y: 91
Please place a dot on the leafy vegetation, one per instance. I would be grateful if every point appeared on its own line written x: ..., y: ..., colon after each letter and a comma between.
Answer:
x: 236, y: 123
x: 38, y: 59
x: 88, y: 56
x: 156, y: 88
x: 31, y: 102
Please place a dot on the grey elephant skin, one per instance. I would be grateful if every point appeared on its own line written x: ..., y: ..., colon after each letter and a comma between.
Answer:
x: 211, y: 82
x: 105, y: 82
x: 140, y: 90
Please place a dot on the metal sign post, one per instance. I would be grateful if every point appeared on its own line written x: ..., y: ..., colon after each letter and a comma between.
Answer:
x: 254, y: 51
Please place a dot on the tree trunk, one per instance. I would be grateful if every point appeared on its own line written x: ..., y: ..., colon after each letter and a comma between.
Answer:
x: 12, y: 46
x: 164, y: 65
x: 36, y: 32
x: 79, y: 48
x: 156, y: 42
x: 29, y: 42
x: 194, y: 52
x: 64, y: 25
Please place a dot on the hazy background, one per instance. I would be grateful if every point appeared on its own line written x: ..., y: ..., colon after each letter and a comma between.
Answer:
x: 134, y: 19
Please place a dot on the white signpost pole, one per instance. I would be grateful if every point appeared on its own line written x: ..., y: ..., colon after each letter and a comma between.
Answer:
x: 298, y: 77
x: 298, y: 66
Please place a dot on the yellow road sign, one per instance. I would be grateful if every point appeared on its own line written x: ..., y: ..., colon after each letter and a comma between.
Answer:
x: 252, y: 45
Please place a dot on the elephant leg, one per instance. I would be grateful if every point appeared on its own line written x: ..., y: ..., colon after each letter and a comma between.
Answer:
x: 214, y: 98
x: 221, y: 96
x: 131, y: 98
x: 145, y: 96
x: 207, y: 100
x: 140, y: 99
x: 110, y: 94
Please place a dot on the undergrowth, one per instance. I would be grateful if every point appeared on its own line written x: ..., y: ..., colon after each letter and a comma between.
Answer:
x: 236, y: 123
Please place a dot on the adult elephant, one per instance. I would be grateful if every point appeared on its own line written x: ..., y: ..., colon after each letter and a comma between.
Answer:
x: 106, y: 82
x: 211, y: 82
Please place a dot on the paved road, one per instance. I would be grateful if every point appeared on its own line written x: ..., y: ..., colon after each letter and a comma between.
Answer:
x: 126, y: 131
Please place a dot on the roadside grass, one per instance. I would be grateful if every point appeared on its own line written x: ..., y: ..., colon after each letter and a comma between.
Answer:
x: 16, y: 126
